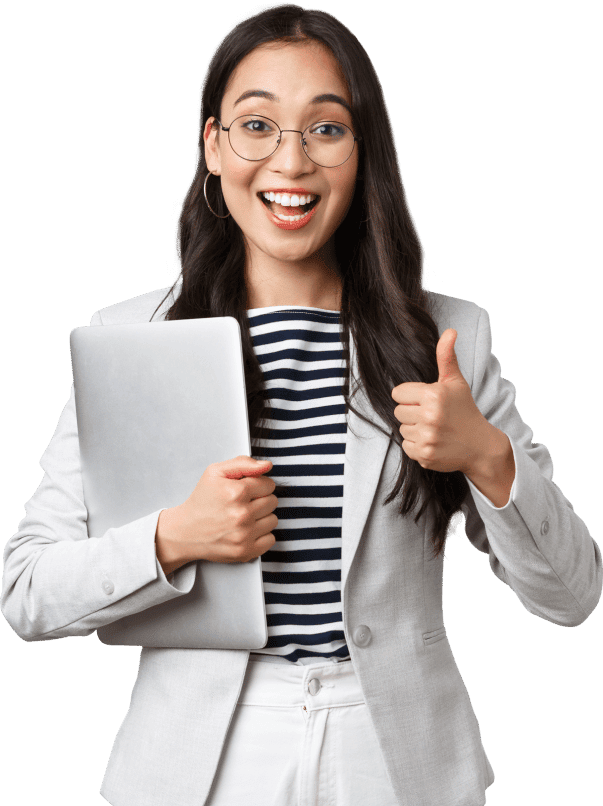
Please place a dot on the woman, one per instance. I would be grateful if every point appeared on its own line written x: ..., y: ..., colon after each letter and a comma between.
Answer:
x: 356, y: 697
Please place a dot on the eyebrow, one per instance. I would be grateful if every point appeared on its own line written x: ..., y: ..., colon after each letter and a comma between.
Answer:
x: 326, y: 97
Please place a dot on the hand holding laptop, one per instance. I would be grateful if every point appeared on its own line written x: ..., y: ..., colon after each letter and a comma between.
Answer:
x: 156, y: 404
x: 226, y: 519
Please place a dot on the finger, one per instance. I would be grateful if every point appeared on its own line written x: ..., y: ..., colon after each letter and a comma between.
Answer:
x: 448, y: 365
x: 408, y: 448
x: 409, y: 433
x: 410, y: 393
x: 407, y: 414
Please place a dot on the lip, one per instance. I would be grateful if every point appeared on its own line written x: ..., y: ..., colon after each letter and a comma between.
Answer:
x: 288, y: 224
x: 302, y: 191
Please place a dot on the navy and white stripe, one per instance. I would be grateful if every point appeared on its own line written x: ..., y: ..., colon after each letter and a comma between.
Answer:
x: 301, y: 356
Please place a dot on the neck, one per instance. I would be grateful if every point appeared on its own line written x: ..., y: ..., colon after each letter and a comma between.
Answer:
x: 313, y: 282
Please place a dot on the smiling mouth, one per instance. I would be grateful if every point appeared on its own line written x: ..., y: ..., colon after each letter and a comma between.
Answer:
x: 289, y: 212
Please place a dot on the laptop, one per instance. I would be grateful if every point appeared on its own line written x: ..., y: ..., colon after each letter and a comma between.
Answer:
x: 156, y: 403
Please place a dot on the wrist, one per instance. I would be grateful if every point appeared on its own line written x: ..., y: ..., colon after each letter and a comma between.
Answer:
x: 169, y: 546
x: 491, y: 456
x: 494, y: 472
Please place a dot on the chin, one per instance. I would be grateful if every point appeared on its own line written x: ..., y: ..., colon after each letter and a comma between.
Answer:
x: 292, y: 255
x: 284, y: 251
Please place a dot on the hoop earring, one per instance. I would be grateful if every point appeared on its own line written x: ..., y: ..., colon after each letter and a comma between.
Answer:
x: 205, y: 194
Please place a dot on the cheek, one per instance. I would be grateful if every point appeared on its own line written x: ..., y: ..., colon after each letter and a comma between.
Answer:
x: 345, y: 190
x: 346, y: 179
x: 237, y: 180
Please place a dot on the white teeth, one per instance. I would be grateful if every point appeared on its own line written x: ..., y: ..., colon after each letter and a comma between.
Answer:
x: 291, y: 217
x: 287, y: 199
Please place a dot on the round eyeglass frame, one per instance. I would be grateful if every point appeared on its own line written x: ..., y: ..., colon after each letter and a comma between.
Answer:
x: 303, y: 141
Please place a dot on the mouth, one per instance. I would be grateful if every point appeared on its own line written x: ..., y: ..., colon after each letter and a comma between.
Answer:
x: 288, y: 213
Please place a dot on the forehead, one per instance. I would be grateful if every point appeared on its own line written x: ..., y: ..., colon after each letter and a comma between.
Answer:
x: 293, y: 72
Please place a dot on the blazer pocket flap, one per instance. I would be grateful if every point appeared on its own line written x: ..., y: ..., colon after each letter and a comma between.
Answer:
x: 434, y: 635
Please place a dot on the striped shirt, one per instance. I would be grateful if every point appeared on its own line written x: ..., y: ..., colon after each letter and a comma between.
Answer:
x: 301, y: 355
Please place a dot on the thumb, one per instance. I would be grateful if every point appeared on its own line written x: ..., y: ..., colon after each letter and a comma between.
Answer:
x: 448, y: 365
x: 244, y: 466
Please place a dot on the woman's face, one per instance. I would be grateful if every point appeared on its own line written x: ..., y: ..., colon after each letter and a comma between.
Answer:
x: 294, y: 74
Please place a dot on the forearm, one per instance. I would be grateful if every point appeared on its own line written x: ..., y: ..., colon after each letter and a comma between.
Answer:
x: 56, y: 587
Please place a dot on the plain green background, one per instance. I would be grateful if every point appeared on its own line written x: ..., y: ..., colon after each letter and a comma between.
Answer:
x: 497, y: 118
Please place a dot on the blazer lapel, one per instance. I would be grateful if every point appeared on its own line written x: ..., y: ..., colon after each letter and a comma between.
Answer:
x: 365, y: 452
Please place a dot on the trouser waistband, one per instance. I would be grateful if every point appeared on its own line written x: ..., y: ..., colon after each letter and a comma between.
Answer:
x: 321, y: 685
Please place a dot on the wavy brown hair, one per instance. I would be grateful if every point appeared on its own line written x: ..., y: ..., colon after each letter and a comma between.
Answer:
x: 377, y: 249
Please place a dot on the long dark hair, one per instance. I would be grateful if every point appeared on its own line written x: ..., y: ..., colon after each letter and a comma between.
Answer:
x: 383, y: 302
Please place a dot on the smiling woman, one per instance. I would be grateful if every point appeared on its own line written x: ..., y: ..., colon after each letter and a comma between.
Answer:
x: 301, y: 86
x: 296, y: 225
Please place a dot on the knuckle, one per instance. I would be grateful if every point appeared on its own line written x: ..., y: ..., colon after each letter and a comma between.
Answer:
x: 434, y: 393
x: 237, y: 538
x: 233, y: 492
x: 240, y: 516
x: 431, y: 396
x: 432, y: 416
x: 431, y: 436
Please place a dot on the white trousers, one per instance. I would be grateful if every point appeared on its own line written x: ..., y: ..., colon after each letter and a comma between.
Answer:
x: 301, y: 736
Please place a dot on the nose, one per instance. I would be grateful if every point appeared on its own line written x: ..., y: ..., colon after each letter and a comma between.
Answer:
x: 290, y: 157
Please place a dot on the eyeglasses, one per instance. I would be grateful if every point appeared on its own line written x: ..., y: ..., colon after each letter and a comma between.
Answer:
x: 327, y: 143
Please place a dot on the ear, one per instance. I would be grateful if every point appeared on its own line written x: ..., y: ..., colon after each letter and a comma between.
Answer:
x: 212, y: 152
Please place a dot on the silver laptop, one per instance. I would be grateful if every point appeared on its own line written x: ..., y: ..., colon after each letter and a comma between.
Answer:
x: 156, y: 403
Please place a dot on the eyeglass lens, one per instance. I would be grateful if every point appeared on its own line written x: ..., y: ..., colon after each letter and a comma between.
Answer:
x: 327, y: 143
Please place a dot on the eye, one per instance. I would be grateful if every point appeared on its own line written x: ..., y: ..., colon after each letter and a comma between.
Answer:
x: 328, y: 130
x: 254, y: 125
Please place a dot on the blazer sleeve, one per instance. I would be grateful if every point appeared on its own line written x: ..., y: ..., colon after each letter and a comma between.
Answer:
x: 60, y: 581
x: 536, y: 543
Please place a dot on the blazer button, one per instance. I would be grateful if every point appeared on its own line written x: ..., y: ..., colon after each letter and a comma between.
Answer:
x: 544, y: 528
x: 108, y: 587
x: 361, y: 635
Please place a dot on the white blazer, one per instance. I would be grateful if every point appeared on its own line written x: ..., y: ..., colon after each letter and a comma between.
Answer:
x: 391, y: 596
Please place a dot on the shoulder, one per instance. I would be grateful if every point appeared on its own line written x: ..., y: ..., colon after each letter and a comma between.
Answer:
x: 464, y: 316
x: 138, y: 309
x: 452, y: 311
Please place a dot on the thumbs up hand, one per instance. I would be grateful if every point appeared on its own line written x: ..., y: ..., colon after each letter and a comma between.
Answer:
x: 442, y: 428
